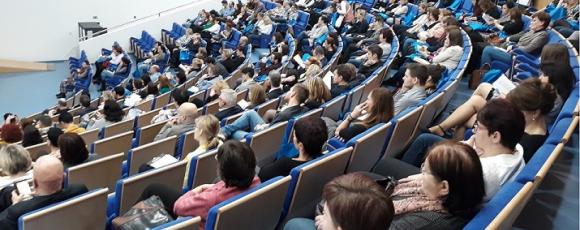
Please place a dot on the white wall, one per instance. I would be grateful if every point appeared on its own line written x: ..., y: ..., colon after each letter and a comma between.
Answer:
x: 33, y: 30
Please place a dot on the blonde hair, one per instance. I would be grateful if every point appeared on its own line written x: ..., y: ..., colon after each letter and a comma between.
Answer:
x: 220, y: 85
x: 317, y: 90
x: 14, y: 159
x: 210, y: 127
x: 107, y: 95
x: 312, y: 71
x: 256, y: 95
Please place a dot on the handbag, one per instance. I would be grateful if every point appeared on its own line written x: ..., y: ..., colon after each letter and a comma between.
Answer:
x: 146, y: 214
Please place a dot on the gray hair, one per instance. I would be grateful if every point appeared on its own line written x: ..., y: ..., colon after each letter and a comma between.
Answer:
x: 14, y: 159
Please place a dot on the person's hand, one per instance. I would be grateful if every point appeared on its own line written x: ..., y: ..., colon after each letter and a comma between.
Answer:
x: 202, y: 188
x: 358, y: 110
x: 322, y: 223
x: 17, y: 198
x: 173, y: 121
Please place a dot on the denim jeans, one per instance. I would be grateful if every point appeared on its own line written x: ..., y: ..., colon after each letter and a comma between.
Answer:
x: 141, y: 69
x: 416, y: 153
x: 300, y: 224
x: 243, y: 125
x: 491, y: 53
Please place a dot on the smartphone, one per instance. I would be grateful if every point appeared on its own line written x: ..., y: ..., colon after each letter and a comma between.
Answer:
x: 25, y: 187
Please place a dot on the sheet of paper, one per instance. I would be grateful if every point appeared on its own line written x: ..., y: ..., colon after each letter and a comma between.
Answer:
x: 164, y: 160
x: 503, y: 84
x: 327, y: 79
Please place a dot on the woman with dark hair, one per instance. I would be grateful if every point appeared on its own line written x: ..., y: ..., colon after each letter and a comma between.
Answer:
x: 450, y: 54
x: 435, y: 73
x: 113, y: 113
x: 73, y: 150
x: 514, y: 25
x: 561, y: 76
x: 31, y: 136
x: 378, y: 108
x: 236, y: 169
x: 309, y: 137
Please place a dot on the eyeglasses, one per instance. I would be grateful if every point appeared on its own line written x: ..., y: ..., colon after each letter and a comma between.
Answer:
x: 476, y: 127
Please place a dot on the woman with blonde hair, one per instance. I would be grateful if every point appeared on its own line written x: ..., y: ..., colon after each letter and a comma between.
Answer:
x: 164, y: 84
x: 216, y: 90
x: 256, y: 96
x: 318, y: 93
x: 206, y: 132
x: 15, y: 164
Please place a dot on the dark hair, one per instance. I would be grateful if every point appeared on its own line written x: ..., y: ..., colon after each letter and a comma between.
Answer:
x: 434, y: 71
x: 25, y: 122
x: 248, y: 71
x: 356, y: 193
x: 543, y: 17
x: 318, y: 50
x: 387, y: 34
x: 113, y: 111
x: 85, y: 100
x: 180, y: 96
x: 561, y: 76
x: 455, y: 37
x: 285, y: 49
x: 515, y: 14
x: 126, y: 60
x: 53, y: 134
x: 11, y: 133
x: 181, y: 78
x: 532, y: 95
x: 236, y: 164
x: 277, y: 56
x: 553, y: 53
x: 45, y: 120
x: 146, y: 79
x: 434, y: 12
x: 383, y: 110
x: 138, y: 83
x: 31, y: 136
x: 346, y: 72
x: 278, y: 37
x: 312, y: 133
x: 500, y: 115
x: 152, y: 89
x: 65, y: 117
x: 376, y: 50
x: 324, y: 18
x: 459, y: 165
x: 73, y: 150
x: 119, y: 90
x: 418, y: 71
x: 301, y: 92
x: 275, y: 78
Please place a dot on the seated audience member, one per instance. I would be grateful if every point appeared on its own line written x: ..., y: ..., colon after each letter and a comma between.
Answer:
x: 230, y: 60
x: 236, y: 169
x: 228, y: 106
x: 247, y: 79
x: 309, y: 137
x: 31, y: 136
x: 373, y: 61
x: 343, y: 74
x: 561, y: 76
x: 184, y: 121
x: 450, y: 54
x: 85, y: 102
x: 256, y: 96
x: 150, y: 93
x: 384, y: 39
x: 275, y: 87
x: 179, y: 96
x: 11, y: 133
x: 53, y: 135
x: 155, y: 57
x: 43, y: 123
x: 446, y: 193
x: 344, y: 196
x: 65, y: 121
x: 48, y: 189
x: 113, y: 113
x: 251, y: 121
x: 496, y: 133
x: 73, y: 150
x: 413, y: 89
x: 513, y: 24
x: 308, y: 38
x: 214, y: 74
x: 121, y: 70
x: 61, y: 106
x: 318, y: 93
x: 15, y: 163
x: 378, y: 108
x: 68, y: 84
x: 264, y: 68
x: 530, y: 42
x: 165, y: 84
x: 435, y: 73
x: 207, y: 128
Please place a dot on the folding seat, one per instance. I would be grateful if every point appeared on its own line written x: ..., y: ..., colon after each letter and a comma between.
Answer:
x: 108, y: 170
x: 211, y: 108
x: 145, y: 118
x: 506, y: 218
x: 37, y: 150
x: 147, y: 134
x: 353, y: 98
x: 368, y: 147
x: 232, y: 43
x: 271, y: 104
x: 333, y: 108
x: 162, y: 100
x: 86, y: 211
x: 90, y: 136
x: 541, y: 161
x: 145, y: 153
x: 181, y: 223
x: 202, y: 170
x: 263, y: 41
x: 186, y: 143
x: 145, y: 106
x: 301, y: 22
x: 432, y: 103
x: 84, y: 83
x: 266, y: 143
x: 113, y: 145
x: 404, y: 126
x: 258, y: 208
x: 117, y: 128
x: 412, y: 12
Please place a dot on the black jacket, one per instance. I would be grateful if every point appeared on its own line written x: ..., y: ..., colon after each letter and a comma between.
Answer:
x: 228, y: 112
x: 288, y: 113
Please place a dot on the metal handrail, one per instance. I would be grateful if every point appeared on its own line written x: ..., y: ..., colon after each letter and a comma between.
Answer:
x: 133, y: 21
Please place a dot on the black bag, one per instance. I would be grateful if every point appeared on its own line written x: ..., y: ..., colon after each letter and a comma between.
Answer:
x: 146, y: 214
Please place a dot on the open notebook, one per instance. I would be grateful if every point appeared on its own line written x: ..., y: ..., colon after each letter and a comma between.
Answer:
x: 327, y: 79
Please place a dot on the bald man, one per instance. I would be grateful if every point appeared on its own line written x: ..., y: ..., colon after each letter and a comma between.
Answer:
x: 47, y: 175
x: 183, y: 122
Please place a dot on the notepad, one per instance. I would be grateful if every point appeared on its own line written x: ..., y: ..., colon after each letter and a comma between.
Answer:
x: 299, y: 61
x: 503, y: 84
x: 162, y: 160
x: 243, y: 104
x: 327, y: 79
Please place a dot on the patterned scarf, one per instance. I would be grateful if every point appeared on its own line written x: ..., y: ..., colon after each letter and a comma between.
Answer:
x: 408, y: 197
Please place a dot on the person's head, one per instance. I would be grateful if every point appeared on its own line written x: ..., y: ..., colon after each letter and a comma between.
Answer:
x: 207, y: 128
x: 164, y: 82
x: 297, y: 95
x: 553, y: 53
x: 534, y: 98
x: 540, y: 21
x: 61, y: 103
x: 31, y: 136
x: 310, y: 134
x: 506, y: 7
x: 312, y: 70
x: 423, y: 7
x: 73, y: 150
x: 276, y: 57
x: 515, y: 14
x: 14, y: 159
x: 323, y: 20
x: 11, y: 133
x: 277, y: 37
x: 243, y: 41
x: 44, y: 121
x: 434, y: 72
x: 318, y: 52
x: 113, y: 111
x: 119, y: 92
x: 433, y: 14
x: 48, y: 175
x: 179, y: 96
x: 374, y: 52
x: 248, y: 73
x: 499, y: 123
x: 344, y: 73
x: 318, y: 92
x: 379, y: 106
x: 25, y: 122
x: 137, y: 84
x: 256, y: 95
x: 329, y: 44
x: 559, y: 75
x: 53, y: 135
x: 152, y: 89
x: 415, y: 75
x: 275, y: 78
x: 240, y: 52
x: 355, y: 193
x: 227, y: 53
x: 125, y: 61
x: 485, y: 5
x: 454, y: 38
x: 236, y: 164
x: 186, y: 113
x: 154, y: 69
x: 227, y: 98
x: 386, y: 36
x: 218, y: 87
x: 361, y: 14
x: 452, y: 173
x: 65, y: 118
x: 181, y: 78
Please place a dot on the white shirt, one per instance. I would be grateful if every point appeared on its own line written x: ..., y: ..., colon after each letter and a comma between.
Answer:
x: 215, y: 29
x: 500, y: 169
x: 116, y: 59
